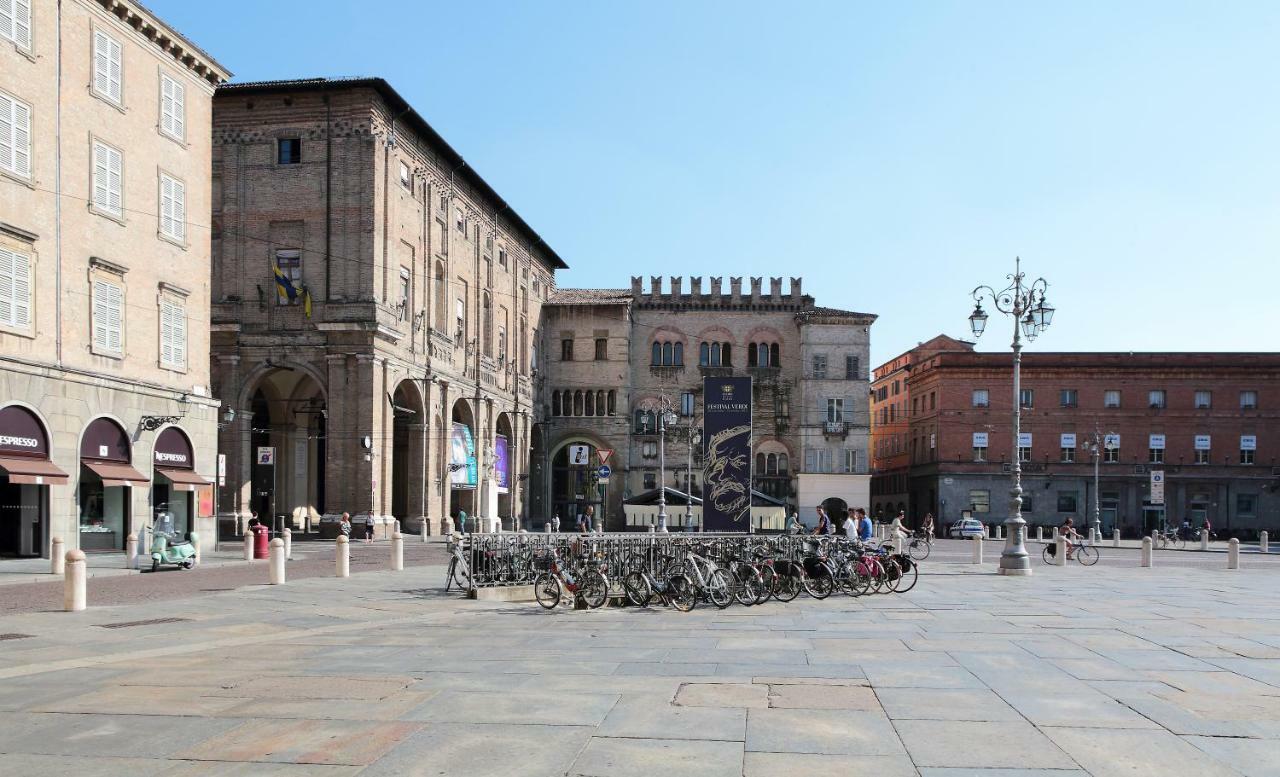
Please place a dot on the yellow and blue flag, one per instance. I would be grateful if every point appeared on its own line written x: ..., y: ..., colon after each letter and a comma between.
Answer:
x: 306, y: 301
x: 284, y: 286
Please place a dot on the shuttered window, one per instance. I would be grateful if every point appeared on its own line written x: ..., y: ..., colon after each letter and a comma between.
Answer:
x: 173, y: 208
x: 15, y: 289
x: 107, y: 174
x: 107, y: 66
x: 173, y: 334
x: 15, y: 21
x: 172, y: 107
x: 108, y: 317
x: 15, y: 136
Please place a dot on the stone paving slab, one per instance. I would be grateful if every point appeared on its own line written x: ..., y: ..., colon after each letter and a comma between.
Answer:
x: 608, y: 757
x: 819, y: 731
x: 818, y: 765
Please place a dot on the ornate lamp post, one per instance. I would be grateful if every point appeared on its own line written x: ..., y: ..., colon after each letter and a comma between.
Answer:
x: 665, y: 416
x: 695, y: 439
x: 1096, y: 446
x: 1031, y: 314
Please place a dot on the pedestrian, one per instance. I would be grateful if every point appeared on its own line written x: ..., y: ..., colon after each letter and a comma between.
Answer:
x: 589, y: 518
x: 851, y: 524
x: 462, y: 521
x: 795, y: 527
x: 555, y: 523
x: 823, y: 523
x: 345, y: 525
x: 368, y: 528
x: 864, y: 526
x: 581, y: 524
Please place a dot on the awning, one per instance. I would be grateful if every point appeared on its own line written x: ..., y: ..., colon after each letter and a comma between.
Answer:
x: 38, y: 472
x: 183, y: 479
x: 116, y: 474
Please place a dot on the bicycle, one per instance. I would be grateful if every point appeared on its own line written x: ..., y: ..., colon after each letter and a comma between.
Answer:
x: 675, y: 590
x: 1170, y: 537
x: 590, y: 584
x: 459, y: 570
x: 1085, y: 552
x: 920, y: 546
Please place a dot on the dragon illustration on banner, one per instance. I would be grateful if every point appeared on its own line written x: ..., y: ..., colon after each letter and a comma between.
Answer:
x: 726, y: 473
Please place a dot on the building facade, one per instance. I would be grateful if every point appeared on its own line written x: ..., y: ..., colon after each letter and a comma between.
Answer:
x: 614, y: 356
x: 1210, y: 422
x: 106, y: 413
x: 375, y: 313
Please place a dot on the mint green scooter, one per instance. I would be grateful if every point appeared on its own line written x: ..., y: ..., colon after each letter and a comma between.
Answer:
x: 166, y: 548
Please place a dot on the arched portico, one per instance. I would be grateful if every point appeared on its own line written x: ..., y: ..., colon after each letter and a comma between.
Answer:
x: 408, y: 456
x: 462, y: 461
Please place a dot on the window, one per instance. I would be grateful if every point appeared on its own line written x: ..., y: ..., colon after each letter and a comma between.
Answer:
x: 980, y: 446
x: 173, y: 208
x: 1204, y: 400
x: 290, y: 264
x: 686, y: 404
x: 1204, y: 446
x: 851, y: 368
x: 819, y: 367
x: 566, y: 349
x: 981, y: 398
x: 817, y: 460
x: 1068, y: 455
x: 1069, y: 398
x: 403, y: 302
x: 15, y: 289
x: 933, y: 400
x: 15, y: 22
x: 173, y: 115
x: 980, y: 501
x: 646, y: 422
x: 1246, y: 504
x: 502, y: 258
x: 173, y: 335
x: 1248, y: 446
x: 1067, y: 501
x: 1111, y: 455
x: 289, y: 151
x: 460, y: 320
x: 460, y: 221
x: 835, y: 411
x: 851, y: 460
x: 107, y: 55
x: 108, y: 170
x: 1111, y: 398
x: 1155, y: 449
x: 15, y: 135
x: 1248, y: 399
x: 108, y: 317
x: 406, y: 179
x: 602, y: 349
x: 1202, y: 456
x: 1156, y: 398
x: 1027, y: 397
x: 649, y: 450
x: 1024, y: 453
x: 650, y: 481
x: 667, y: 354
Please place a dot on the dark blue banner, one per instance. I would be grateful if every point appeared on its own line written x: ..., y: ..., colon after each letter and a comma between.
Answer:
x: 726, y: 435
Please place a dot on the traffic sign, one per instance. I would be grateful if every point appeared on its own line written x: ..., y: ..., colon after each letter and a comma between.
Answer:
x: 1157, y: 487
x: 603, y: 473
x: 604, y: 454
x: 578, y: 454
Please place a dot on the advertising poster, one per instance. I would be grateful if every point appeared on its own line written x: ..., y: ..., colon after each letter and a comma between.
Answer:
x: 501, y: 464
x: 462, y: 457
x: 727, y: 437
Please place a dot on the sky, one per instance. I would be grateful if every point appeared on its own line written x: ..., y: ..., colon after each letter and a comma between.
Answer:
x: 895, y: 155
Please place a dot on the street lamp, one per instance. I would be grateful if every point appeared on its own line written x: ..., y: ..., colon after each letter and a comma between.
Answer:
x: 1031, y: 315
x: 666, y: 416
x: 1095, y: 447
x: 695, y: 438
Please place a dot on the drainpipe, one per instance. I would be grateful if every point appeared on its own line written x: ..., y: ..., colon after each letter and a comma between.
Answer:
x: 57, y: 203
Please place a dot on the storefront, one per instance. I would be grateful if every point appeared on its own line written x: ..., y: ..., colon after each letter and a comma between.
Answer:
x: 25, y: 477
x: 107, y: 480
x: 174, y: 485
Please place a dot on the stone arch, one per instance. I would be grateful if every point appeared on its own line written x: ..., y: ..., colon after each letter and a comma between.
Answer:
x: 504, y: 442
x: 284, y: 406
x: 462, y: 461
x: 569, y: 482
x: 408, y: 455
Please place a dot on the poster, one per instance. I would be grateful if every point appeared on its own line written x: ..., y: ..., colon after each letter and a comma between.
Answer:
x: 727, y: 437
x: 501, y: 464
x: 205, y: 494
x: 462, y: 457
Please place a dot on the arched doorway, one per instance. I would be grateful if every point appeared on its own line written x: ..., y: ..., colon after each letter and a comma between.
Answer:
x: 463, y: 469
x: 287, y: 444
x: 574, y: 483
x: 407, y: 455
x: 837, y: 509
x: 502, y: 449
x: 25, y: 477
x: 537, y: 478
x: 107, y: 480
x: 174, y: 480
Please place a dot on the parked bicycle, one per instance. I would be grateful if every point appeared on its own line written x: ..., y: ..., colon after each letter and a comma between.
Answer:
x: 587, y: 582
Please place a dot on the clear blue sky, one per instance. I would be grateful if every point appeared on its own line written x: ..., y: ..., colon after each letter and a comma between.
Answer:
x: 894, y: 154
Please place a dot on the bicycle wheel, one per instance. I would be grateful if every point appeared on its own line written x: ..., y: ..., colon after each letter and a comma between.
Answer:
x: 636, y: 586
x: 747, y: 586
x: 768, y: 583
x: 1048, y: 553
x: 594, y: 588
x: 1087, y: 555
x: 820, y: 584
x: 892, y: 574
x: 859, y: 582
x: 461, y: 575
x: 546, y: 589
x: 719, y: 588
x: 910, y: 574
x: 919, y: 549
x: 787, y: 588
x: 681, y: 594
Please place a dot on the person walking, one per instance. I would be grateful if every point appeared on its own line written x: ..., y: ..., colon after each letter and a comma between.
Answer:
x: 555, y: 523
x: 589, y: 518
x: 462, y: 521
x: 368, y: 528
x: 851, y: 524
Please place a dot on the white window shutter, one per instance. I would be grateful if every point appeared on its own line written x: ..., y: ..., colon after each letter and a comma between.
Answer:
x: 179, y: 115
x: 21, y: 316
x: 116, y: 319
x: 166, y: 333
x: 21, y: 139
x: 114, y: 180
x: 101, y: 173
x: 22, y: 23
x: 101, y: 67
x: 100, y: 316
x: 7, y: 131
x: 179, y: 335
x: 179, y: 209
x: 7, y: 292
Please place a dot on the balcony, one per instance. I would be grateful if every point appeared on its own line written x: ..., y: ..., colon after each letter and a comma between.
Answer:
x: 666, y: 372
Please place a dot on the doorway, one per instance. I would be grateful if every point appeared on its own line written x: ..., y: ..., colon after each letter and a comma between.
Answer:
x: 22, y: 519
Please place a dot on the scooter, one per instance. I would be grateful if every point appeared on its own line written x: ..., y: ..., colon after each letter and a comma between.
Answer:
x: 166, y: 548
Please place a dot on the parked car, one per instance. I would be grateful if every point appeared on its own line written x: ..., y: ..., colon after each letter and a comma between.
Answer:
x: 966, y: 528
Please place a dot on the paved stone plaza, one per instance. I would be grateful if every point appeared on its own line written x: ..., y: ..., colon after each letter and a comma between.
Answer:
x: 1103, y: 671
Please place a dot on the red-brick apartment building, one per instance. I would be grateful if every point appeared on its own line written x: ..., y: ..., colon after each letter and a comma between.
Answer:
x: 1210, y: 422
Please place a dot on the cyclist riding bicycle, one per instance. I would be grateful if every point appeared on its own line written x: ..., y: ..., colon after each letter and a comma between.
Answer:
x: 1067, y: 531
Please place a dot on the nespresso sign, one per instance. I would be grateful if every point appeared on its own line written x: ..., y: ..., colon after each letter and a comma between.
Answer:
x: 21, y: 432
x: 173, y: 449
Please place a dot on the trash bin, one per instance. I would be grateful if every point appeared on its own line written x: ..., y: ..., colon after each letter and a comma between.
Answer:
x: 261, y: 539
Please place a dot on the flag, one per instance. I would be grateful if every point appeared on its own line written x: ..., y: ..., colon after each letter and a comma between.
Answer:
x: 306, y: 301
x: 284, y: 286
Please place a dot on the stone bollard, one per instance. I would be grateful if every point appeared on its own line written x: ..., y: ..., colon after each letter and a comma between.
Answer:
x: 58, y: 557
x: 1039, y: 534
x: 546, y: 527
x: 1146, y: 552
x: 248, y: 546
x: 396, y: 530
x: 130, y: 550
x: 74, y: 598
x: 977, y: 549
x: 277, y: 555
x: 1095, y: 535
x: 1233, y: 554
x: 1262, y: 541
x: 342, y: 556
x: 1204, y: 539
x: 288, y: 543
x: 1060, y: 552
x: 1115, y: 538
x: 1055, y: 534
x: 397, y: 552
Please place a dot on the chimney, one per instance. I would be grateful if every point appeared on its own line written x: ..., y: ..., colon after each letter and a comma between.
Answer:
x: 655, y: 285
x: 695, y: 285
x: 677, y: 281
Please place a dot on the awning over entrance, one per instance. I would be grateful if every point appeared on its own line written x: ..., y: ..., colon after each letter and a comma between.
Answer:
x: 182, y: 479
x: 116, y: 474
x: 39, y: 472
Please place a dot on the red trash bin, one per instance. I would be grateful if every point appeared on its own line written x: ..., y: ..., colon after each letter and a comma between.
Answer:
x: 261, y: 539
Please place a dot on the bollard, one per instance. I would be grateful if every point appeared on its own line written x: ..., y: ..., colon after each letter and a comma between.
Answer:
x: 1095, y: 536
x: 1060, y: 552
x: 397, y: 528
x: 1146, y: 552
x: 1262, y: 541
x: 1204, y: 539
x: 276, y: 553
x: 1055, y: 534
x: 288, y: 543
x: 1233, y: 554
x: 248, y: 546
x: 342, y: 556
x: 58, y: 558
x: 546, y: 527
x: 397, y: 552
x: 1039, y: 534
x: 73, y: 583
x: 1115, y: 538
x: 977, y: 549
x: 130, y: 550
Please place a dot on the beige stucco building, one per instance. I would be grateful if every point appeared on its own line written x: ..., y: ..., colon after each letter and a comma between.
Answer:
x: 106, y: 413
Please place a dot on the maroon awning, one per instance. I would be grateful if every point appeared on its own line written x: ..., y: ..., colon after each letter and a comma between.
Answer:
x: 116, y: 474
x: 183, y: 479
x: 39, y: 472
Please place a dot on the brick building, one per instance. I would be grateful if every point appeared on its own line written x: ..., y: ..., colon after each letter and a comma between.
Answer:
x: 612, y: 353
x: 375, y: 312
x: 106, y: 416
x: 1209, y: 421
